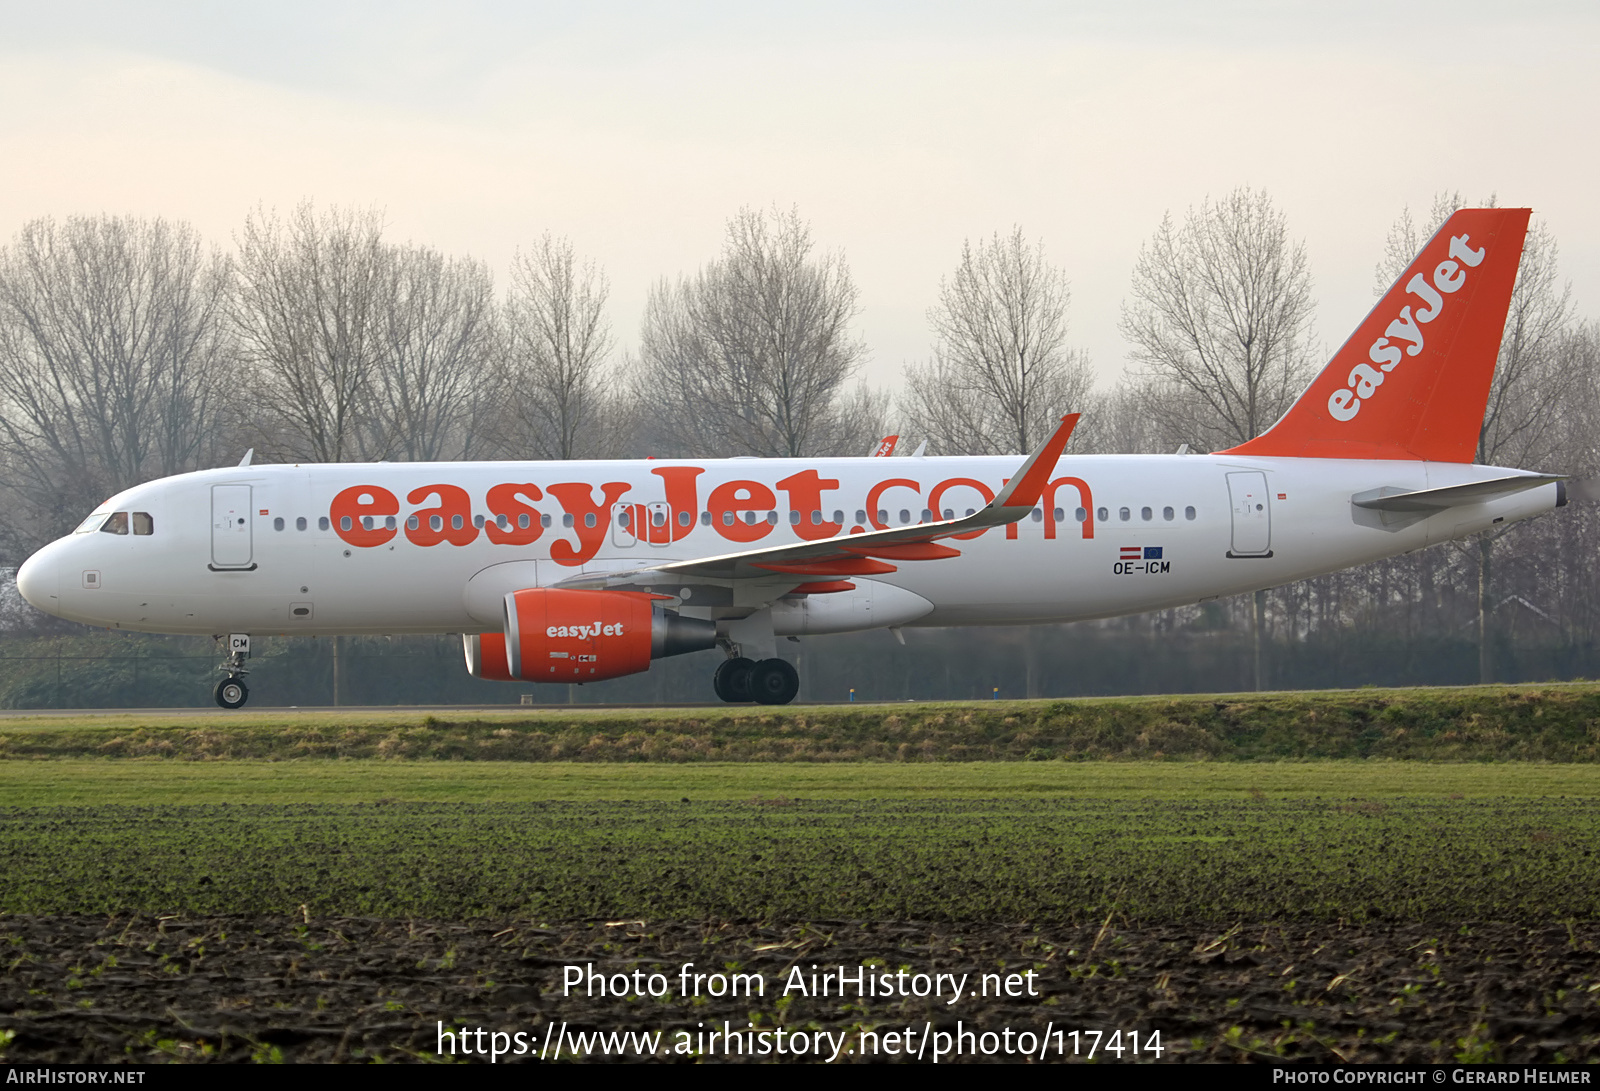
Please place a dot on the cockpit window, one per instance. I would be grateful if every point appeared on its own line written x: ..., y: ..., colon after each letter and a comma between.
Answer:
x: 117, y: 524
x: 142, y: 523
x: 92, y: 523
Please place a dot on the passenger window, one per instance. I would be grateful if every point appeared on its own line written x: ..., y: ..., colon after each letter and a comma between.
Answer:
x: 838, y: 517
x: 622, y: 517
x: 588, y: 519
x: 366, y: 522
x: 344, y: 522
x: 544, y: 521
x: 794, y: 518
x: 322, y: 522
x: 1166, y: 513
x: 883, y: 516
x: 436, y: 522
x: 117, y: 524
x: 389, y: 523
x: 1081, y: 515
x: 1102, y: 514
x: 772, y: 518
x: 1124, y: 514
x: 816, y: 518
x: 949, y: 513
x: 905, y: 517
x: 1188, y: 513
x: 300, y: 523
x: 861, y: 516
x: 566, y: 519
x: 412, y: 522
x: 685, y: 518
x: 1146, y: 514
x: 749, y: 518
x: 705, y: 518
x: 143, y: 524
x: 658, y: 518
x: 477, y: 521
x: 727, y: 518
x: 277, y: 524
x: 1038, y: 516
x: 1058, y: 515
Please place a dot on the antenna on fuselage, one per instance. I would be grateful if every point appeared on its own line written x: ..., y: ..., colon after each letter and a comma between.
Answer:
x: 248, y: 455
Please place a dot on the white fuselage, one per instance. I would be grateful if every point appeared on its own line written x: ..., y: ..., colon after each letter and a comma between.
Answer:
x: 223, y: 550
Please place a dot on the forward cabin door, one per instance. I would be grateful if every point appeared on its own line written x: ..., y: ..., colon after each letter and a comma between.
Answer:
x: 1252, y: 514
x: 230, y: 526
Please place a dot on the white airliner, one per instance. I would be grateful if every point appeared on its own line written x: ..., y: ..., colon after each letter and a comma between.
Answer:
x: 581, y: 571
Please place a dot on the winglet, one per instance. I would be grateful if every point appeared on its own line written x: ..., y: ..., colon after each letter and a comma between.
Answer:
x: 1027, y: 485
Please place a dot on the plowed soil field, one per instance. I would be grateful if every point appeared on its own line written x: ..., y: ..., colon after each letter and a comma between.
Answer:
x: 265, y: 988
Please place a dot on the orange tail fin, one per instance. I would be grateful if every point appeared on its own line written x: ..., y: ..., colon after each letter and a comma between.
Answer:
x: 1413, y: 380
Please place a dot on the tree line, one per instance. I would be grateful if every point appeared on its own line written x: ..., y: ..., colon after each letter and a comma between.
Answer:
x: 132, y: 349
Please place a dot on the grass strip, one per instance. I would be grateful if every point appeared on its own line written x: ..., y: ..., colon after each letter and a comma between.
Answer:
x: 1550, y: 722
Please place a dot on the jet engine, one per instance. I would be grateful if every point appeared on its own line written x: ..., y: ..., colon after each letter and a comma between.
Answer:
x: 553, y: 635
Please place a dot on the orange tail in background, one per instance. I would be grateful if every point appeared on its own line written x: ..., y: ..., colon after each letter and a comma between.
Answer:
x: 1413, y: 381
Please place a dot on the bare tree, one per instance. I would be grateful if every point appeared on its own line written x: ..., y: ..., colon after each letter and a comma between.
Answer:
x: 308, y: 314
x: 750, y: 355
x: 1220, y: 320
x: 1536, y: 380
x: 435, y: 341
x: 111, y: 360
x: 557, y: 341
x: 1002, y: 372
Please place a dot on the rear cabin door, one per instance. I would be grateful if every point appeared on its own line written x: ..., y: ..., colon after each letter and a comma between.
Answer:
x: 230, y: 526
x: 1252, y: 514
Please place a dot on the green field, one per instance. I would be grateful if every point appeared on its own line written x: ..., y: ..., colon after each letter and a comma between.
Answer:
x: 1271, y: 806
x: 987, y: 841
x: 87, y: 783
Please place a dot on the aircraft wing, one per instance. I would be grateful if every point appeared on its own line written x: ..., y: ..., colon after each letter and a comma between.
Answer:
x: 868, y: 553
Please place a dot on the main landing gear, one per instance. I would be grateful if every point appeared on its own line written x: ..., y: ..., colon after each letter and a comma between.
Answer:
x: 768, y: 682
x: 231, y: 692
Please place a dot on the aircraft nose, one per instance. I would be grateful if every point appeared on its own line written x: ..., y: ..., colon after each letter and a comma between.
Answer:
x: 39, y: 581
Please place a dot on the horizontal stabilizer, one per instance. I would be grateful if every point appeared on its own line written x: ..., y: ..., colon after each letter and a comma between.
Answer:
x: 1450, y: 496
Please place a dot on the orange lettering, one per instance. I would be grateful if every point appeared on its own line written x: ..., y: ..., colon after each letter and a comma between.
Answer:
x: 805, y: 496
x: 682, y: 496
x: 732, y: 498
x: 361, y: 502
x: 936, y: 498
x: 508, y: 500
x: 878, y: 490
x: 450, y: 522
x: 1085, y: 500
x: 588, y: 518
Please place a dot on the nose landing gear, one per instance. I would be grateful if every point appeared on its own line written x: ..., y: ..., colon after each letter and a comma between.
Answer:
x: 231, y: 692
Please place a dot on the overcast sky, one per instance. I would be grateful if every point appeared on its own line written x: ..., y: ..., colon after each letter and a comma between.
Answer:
x: 898, y: 130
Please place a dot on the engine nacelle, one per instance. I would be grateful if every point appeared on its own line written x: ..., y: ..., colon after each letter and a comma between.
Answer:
x: 553, y: 635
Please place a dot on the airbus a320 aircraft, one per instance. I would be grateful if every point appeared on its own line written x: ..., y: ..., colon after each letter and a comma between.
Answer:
x: 582, y: 571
